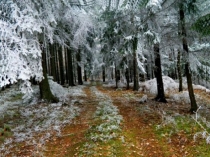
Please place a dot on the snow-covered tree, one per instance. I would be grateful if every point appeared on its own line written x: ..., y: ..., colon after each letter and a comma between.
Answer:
x: 20, y: 53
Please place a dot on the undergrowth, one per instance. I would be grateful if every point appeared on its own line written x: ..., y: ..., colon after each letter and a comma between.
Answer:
x: 185, y: 131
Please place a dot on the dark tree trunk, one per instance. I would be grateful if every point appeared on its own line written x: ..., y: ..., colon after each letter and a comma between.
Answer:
x: 112, y: 74
x: 116, y: 77
x: 66, y: 66
x: 158, y: 74
x: 79, y: 69
x: 103, y: 73
x: 127, y: 78
x: 70, y: 68
x: 61, y: 66
x: 85, y: 75
x: 44, y: 86
x: 187, y: 64
x: 127, y: 73
x: 131, y: 71
x: 179, y: 70
x: 135, y: 66
x: 52, y: 61
x: 57, y: 65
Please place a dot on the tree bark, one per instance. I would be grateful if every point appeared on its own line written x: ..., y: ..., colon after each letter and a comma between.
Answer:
x: 187, y: 64
x: 85, y: 75
x: 70, y: 68
x: 127, y: 78
x: 116, y: 77
x: 44, y: 86
x: 135, y: 66
x: 79, y: 69
x: 127, y: 73
x: 61, y: 66
x: 179, y: 70
x: 158, y: 74
x: 57, y: 65
x: 52, y: 61
x: 66, y: 65
x: 103, y: 73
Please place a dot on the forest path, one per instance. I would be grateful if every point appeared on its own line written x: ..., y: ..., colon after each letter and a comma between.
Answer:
x: 109, y: 122
x: 73, y: 135
x: 136, y: 138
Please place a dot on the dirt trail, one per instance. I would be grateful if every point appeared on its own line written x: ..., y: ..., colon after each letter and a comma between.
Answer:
x: 139, y: 136
x: 73, y: 135
x: 139, y: 139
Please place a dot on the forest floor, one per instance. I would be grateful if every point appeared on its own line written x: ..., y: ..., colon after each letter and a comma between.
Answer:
x: 113, y: 123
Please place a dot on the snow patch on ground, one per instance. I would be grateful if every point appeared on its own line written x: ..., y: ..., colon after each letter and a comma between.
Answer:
x: 151, y: 85
x: 6, y: 98
x: 181, y: 97
x: 76, y: 91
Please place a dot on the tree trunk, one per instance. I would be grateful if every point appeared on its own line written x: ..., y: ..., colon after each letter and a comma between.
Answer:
x: 57, y: 65
x: 52, y: 61
x: 131, y: 71
x: 103, y: 74
x: 61, y: 66
x: 70, y: 68
x: 187, y: 64
x: 127, y: 78
x: 179, y: 70
x: 44, y: 86
x: 116, y: 77
x: 85, y: 75
x: 112, y: 73
x: 135, y: 66
x: 127, y: 73
x: 79, y: 69
x: 158, y: 74
x: 66, y: 66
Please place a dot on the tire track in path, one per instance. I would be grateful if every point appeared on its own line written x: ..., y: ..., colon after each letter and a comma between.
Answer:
x: 73, y: 135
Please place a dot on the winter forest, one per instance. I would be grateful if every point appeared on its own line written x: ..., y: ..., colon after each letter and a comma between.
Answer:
x: 111, y: 78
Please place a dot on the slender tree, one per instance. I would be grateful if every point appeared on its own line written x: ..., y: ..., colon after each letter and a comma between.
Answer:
x: 79, y: 68
x: 158, y: 74
x: 186, y: 55
x: 45, y: 91
x: 135, y: 66
x: 70, y: 67
x: 179, y: 70
x: 61, y: 65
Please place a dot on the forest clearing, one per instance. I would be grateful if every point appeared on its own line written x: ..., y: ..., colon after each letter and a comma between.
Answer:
x: 100, y: 120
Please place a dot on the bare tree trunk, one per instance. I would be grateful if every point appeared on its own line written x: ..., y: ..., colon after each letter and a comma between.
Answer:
x: 52, y: 61
x: 187, y: 64
x: 70, y: 68
x: 127, y: 73
x: 79, y: 69
x: 44, y: 86
x: 66, y: 66
x: 85, y: 75
x: 116, y: 77
x: 61, y: 66
x: 179, y: 70
x: 57, y: 65
x: 158, y: 74
x: 135, y: 66
x: 103, y: 73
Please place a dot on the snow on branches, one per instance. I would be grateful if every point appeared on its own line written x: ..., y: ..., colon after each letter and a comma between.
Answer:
x: 20, y: 52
